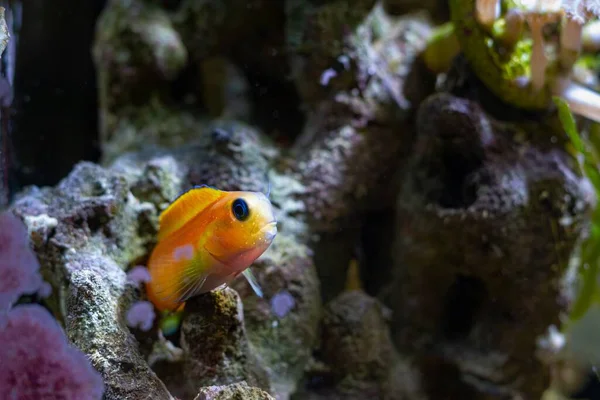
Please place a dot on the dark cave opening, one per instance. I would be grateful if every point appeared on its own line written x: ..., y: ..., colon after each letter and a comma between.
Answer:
x: 171, y: 5
x: 275, y: 106
x: 463, y: 301
x: 186, y: 83
x: 451, y: 161
x: 54, y: 116
x: 457, y: 173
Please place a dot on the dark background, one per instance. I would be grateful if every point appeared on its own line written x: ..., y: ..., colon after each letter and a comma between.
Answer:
x: 52, y: 122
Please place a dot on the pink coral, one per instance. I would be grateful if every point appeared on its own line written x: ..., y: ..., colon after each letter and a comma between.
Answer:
x: 38, y: 363
x: 19, y: 267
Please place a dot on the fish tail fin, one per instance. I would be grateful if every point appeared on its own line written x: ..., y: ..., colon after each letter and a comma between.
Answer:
x: 171, y: 320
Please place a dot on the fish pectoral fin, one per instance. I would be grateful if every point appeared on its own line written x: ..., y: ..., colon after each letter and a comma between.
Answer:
x: 186, y: 207
x: 194, y: 288
x: 178, y: 287
x: 253, y: 282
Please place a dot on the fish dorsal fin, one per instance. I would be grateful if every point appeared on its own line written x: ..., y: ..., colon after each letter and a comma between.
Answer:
x: 186, y: 207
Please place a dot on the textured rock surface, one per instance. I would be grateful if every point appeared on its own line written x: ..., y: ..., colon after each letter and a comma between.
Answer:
x: 213, y: 337
x: 227, y: 154
x: 85, y: 231
x: 489, y: 213
x: 162, y: 69
x: 138, y: 54
x: 236, y: 391
x: 317, y: 34
x: 358, y: 124
x: 283, y: 325
x: 356, y: 52
x: 97, y: 222
x: 357, y: 356
x: 91, y: 226
x: 284, y: 343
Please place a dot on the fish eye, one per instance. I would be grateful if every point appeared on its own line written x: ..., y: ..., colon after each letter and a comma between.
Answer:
x: 240, y: 209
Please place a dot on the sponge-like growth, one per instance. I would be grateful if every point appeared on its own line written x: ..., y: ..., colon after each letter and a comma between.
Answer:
x: 141, y: 315
x: 19, y: 268
x: 38, y: 363
x: 138, y: 275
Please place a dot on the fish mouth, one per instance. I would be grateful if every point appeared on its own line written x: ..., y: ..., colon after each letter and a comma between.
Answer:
x: 269, y: 230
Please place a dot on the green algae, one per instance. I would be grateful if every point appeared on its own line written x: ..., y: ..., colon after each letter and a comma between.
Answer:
x: 589, y: 262
x: 504, y: 71
x: 441, y: 48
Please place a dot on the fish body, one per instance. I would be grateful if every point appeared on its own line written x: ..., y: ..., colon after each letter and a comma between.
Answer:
x: 206, y: 238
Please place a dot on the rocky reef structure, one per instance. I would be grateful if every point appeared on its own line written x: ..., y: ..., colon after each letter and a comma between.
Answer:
x: 357, y: 358
x: 236, y: 391
x: 75, y: 229
x: 482, y: 205
x: 99, y: 221
x: 37, y: 358
x: 216, y: 322
x: 492, y: 208
x: 489, y: 214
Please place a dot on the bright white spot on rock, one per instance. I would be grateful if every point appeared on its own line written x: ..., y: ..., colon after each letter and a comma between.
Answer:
x: 42, y: 220
x: 345, y: 61
x: 554, y: 340
x: 565, y: 221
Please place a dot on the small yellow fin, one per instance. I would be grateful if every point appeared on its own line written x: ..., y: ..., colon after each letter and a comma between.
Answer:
x: 186, y: 207
x: 353, y: 281
x: 175, y: 280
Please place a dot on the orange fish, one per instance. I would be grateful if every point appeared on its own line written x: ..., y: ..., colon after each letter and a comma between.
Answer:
x: 207, y: 237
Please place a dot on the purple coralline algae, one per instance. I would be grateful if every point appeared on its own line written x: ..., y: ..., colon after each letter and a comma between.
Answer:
x: 38, y: 363
x: 282, y: 303
x: 138, y: 275
x: 19, y: 268
x: 141, y: 315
